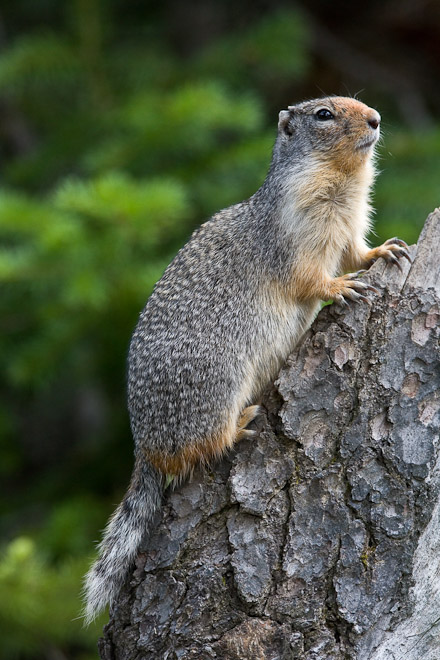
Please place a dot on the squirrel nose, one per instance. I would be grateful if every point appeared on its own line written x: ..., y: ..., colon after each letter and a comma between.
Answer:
x: 374, y: 120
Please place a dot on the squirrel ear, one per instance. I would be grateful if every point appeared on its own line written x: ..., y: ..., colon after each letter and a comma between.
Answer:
x: 284, y: 122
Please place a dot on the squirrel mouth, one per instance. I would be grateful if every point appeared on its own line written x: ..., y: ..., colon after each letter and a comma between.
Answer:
x: 366, y: 144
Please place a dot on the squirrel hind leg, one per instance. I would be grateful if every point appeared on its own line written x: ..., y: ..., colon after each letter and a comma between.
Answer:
x: 246, y: 417
x: 179, y: 465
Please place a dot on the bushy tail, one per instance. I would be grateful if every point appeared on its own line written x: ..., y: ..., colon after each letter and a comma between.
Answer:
x: 122, y: 537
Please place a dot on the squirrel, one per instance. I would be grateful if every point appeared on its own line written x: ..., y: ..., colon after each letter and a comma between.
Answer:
x: 232, y: 305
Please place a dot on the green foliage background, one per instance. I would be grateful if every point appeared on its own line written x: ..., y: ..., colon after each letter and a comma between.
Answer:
x: 116, y: 143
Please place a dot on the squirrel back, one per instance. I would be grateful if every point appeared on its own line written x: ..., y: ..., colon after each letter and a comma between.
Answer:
x: 232, y: 305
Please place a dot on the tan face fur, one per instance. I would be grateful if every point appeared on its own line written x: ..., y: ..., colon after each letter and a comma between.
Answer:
x: 337, y: 130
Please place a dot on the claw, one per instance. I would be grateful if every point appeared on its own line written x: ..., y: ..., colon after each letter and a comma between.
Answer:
x: 396, y: 241
x: 395, y: 261
x: 404, y: 253
x: 356, y: 296
x: 363, y: 286
x: 351, y: 294
x: 355, y: 284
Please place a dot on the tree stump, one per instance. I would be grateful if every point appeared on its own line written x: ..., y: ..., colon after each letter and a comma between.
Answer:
x: 319, y: 539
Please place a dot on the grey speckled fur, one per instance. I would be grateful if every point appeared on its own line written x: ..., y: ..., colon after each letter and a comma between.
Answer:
x: 205, y: 323
x: 211, y: 335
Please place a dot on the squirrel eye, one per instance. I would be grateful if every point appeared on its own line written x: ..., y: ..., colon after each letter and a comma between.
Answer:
x: 324, y: 114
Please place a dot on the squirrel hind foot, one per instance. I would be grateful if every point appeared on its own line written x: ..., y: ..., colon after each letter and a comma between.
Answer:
x: 246, y: 417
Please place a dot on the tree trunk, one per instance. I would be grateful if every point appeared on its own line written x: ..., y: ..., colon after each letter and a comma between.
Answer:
x: 319, y: 538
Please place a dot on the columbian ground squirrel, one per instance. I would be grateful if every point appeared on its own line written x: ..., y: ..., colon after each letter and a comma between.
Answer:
x: 232, y: 305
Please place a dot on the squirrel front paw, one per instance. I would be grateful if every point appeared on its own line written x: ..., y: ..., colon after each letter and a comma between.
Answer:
x: 392, y: 250
x: 347, y: 287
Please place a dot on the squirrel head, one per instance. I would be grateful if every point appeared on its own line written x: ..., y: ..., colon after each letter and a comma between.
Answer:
x: 338, y: 131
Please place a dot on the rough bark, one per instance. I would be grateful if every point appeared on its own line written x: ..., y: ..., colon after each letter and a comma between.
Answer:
x: 318, y: 539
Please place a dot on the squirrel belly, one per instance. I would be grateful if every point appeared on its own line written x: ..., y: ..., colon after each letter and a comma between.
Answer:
x: 232, y: 305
